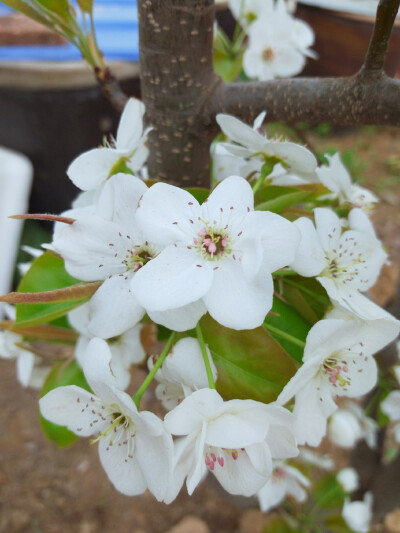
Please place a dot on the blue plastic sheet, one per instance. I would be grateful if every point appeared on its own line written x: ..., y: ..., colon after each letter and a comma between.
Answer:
x: 116, y: 29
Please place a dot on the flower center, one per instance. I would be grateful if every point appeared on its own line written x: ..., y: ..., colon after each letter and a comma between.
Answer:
x: 335, y: 370
x: 137, y: 257
x: 212, y: 244
x: 268, y: 54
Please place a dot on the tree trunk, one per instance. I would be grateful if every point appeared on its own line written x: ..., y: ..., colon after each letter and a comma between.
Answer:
x: 177, y: 81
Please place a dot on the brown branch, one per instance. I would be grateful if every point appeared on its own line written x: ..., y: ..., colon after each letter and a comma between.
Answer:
x: 358, y: 100
x: 111, y: 88
x: 377, y: 49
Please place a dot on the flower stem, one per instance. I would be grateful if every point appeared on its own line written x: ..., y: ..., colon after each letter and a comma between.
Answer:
x: 143, y: 387
x: 285, y: 335
x: 200, y: 338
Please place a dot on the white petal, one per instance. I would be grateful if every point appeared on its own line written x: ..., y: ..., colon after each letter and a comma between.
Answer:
x: 180, y: 319
x: 310, y: 258
x: 114, y: 308
x: 329, y: 228
x: 92, y: 168
x: 25, y: 364
x: 124, y: 472
x: 236, y: 303
x: 297, y: 157
x: 232, y: 198
x: 240, y: 132
x: 130, y: 126
x: 72, y: 407
x: 165, y: 212
x: 175, y: 278
x: 391, y: 405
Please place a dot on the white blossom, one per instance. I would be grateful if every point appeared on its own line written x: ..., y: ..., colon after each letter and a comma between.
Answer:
x: 337, y: 179
x: 358, y: 514
x: 391, y: 407
x: 134, y: 448
x: 126, y: 349
x: 182, y: 372
x: 348, y: 479
x: 218, y: 257
x: 346, y: 264
x: 92, y: 168
x: 337, y: 361
x: 349, y: 425
x: 285, y: 481
x: 234, y: 440
x: 107, y: 245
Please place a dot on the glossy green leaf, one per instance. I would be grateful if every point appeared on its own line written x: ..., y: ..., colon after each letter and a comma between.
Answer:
x: 47, y: 273
x: 60, y: 376
x: 280, y: 203
x: 250, y: 363
x: 199, y: 193
x: 288, y: 320
x: 59, y: 7
x: 306, y: 296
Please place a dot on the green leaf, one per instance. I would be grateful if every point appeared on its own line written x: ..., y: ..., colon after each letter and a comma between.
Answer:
x: 282, y: 202
x: 59, y: 7
x: 60, y: 376
x: 199, y: 193
x: 250, y: 363
x: 276, y: 524
x: 47, y: 273
x: 228, y: 67
x: 86, y: 5
x: 336, y: 524
x: 287, y: 319
x: 328, y: 493
x: 306, y: 296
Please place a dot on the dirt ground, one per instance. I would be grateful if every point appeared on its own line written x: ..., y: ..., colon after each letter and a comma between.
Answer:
x: 47, y: 490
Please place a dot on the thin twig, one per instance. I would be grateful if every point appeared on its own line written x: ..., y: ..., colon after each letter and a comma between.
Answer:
x: 377, y: 49
x: 111, y: 89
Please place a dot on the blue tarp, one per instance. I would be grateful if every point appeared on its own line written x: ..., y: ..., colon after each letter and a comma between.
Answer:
x: 116, y: 29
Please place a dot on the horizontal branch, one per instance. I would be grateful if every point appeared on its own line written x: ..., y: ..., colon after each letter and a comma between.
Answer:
x: 366, y: 98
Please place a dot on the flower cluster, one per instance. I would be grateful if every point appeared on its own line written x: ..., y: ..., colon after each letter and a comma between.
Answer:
x: 229, y: 277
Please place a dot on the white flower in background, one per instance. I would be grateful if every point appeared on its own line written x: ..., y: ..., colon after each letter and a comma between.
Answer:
x: 182, y: 372
x: 337, y: 361
x: 30, y: 372
x: 348, y: 478
x: 234, y: 440
x: 358, y: 514
x: 322, y: 461
x: 248, y: 143
x: 109, y: 246
x: 337, y: 179
x: 391, y: 407
x: 349, y: 425
x: 126, y: 349
x: 346, y: 264
x: 92, y: 168
x: 278, y: 45
x: 285, y: 481
x: 134, y: 448
x: 249, y: 8
x: 218, y: 257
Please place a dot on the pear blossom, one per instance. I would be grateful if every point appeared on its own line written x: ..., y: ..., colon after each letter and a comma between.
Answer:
x: 285, y: 481
x: 349, y: 425
x: 134, y: 448
x: 391, y: 407
x: 107, y: 245
x: 30, y: 371
x: 250, y: 8
x: 218, y: 257
x: 346, y: 264
x: 248, y: 143
x: 322, y: 461
x: 92, y: 168
x: 234, y: 440
x: 348, y: 479
x: 277, y: 46
x: 126, y: 349
x: 337, y: 361
x: 358, y: 514
x: 337, y: 179
x: 182, y: 372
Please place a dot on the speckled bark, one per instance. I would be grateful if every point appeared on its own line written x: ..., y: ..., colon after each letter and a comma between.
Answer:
x: 177, y: 82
